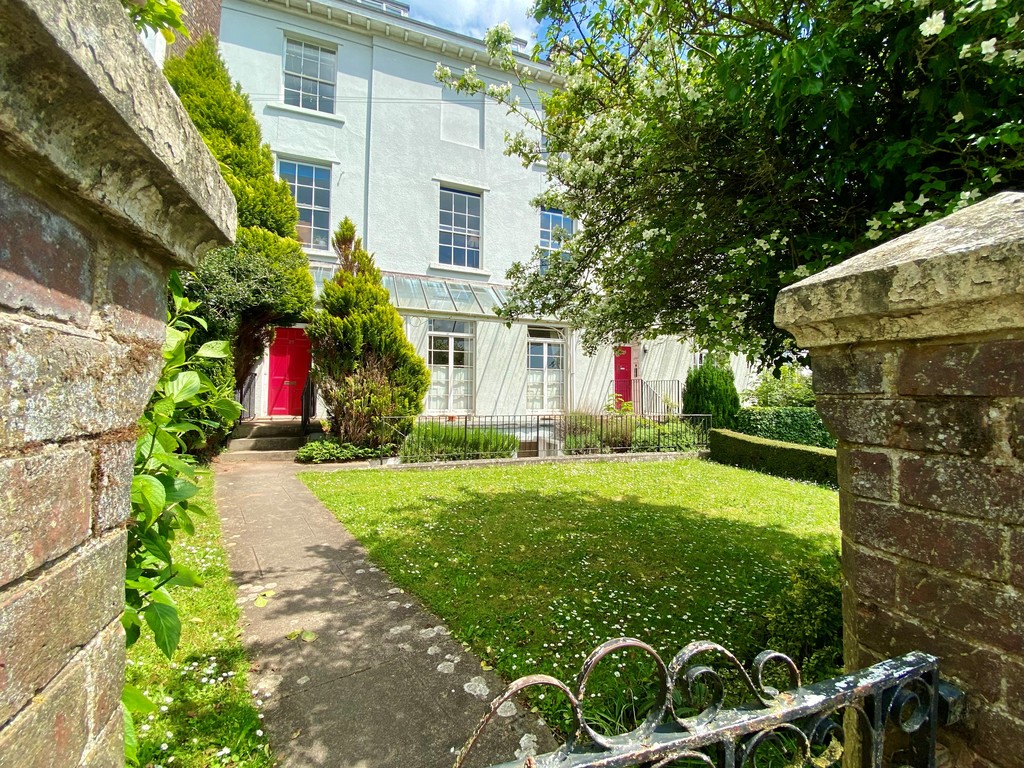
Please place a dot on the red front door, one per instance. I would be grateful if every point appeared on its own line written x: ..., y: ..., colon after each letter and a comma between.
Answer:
x: 623, y: 361
x: 289, y: 367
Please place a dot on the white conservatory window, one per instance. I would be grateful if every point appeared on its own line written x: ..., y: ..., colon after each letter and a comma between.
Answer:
x: 450, y: 350
x: 545, y: 369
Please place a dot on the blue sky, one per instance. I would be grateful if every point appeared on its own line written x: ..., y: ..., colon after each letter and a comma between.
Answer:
x: 473, y: 17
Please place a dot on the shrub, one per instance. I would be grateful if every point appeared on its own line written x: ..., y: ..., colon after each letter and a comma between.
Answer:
x: 452, y: 442
x: 597, y: 432
x: 330, y: 450
x: 788, y: 425
x: 805, y: 620
x: 711, y: 388
x: 668, y: 436
x: 367, y: 371
x: 798, y: 462
x: 790, y: 388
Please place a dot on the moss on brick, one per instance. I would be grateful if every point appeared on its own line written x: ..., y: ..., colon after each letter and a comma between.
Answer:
x: 798, y: 462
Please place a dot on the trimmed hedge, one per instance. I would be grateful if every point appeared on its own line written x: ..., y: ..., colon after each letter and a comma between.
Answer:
x: 787, y: 425
x: 798, y: 462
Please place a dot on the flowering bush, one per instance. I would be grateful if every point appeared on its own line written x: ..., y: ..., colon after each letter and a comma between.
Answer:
x: 719, y: 152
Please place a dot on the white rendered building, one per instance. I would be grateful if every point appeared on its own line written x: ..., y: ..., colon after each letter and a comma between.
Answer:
x: 346, y: 95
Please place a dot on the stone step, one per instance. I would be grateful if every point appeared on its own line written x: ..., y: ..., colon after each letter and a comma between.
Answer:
x: 282, y: 443
x: 290, y: 428
x: 240, y: 456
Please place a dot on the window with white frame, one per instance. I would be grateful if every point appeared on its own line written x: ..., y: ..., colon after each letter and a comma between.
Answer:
x: 310, y: 75
x: 459, y: 228
x: 554, y: 225
x: 451, y: 366
x: 311, y: 188
x: 545, y: 369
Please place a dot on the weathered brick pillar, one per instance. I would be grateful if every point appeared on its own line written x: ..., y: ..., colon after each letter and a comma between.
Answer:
x: 917, y: 348
x: 104, y: 187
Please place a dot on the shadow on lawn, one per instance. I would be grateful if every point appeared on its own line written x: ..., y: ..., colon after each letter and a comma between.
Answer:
x: 514, y: 571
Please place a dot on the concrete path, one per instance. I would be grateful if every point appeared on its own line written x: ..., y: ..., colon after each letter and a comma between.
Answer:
x: 383, y: 685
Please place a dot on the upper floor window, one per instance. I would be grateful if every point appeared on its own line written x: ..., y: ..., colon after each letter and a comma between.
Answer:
x: 459, y: 230
x: 554, y: 225
x: 310, y: 75
x: 311, y: 188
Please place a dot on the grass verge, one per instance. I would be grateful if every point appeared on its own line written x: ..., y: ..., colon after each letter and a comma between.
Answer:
x: 533, y: 566
x: 206, y: 716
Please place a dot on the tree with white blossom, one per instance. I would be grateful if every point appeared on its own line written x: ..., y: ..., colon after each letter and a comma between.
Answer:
x: 716, y: 152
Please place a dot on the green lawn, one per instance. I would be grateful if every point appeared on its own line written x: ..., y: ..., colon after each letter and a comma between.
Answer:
x: 533, y: 566
x: 207, y: 716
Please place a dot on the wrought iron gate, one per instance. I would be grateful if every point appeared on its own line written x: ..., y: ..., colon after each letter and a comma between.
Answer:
x: 896, y: 707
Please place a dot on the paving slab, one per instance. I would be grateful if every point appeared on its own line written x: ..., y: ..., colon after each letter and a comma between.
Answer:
x: 383, y: 684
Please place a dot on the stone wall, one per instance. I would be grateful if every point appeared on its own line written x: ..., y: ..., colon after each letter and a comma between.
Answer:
x: 917, y: 349
x: 104, y: 187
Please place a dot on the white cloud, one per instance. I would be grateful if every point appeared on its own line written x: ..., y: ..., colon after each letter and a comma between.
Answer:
x: 473, y: 17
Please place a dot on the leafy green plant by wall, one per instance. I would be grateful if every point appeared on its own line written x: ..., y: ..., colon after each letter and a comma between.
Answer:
x: 671, y: 435
x: 163, y: 16
x: 789, y: 387
x: 263, y: 280
x: 805, y: 620
x: 711, y: 388
x: 367, y: 372
x: 432, y: 441
x: 789, y: 425
x: 798, y: 462
x: 163, y: 482
x: 330, y: 450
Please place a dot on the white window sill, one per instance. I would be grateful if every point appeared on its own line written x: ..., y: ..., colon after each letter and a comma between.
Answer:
x: 459, y: 270
x: 289, y: 109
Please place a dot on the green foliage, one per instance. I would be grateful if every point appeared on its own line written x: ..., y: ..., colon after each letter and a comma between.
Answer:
x: 719, y: 152
x: 805, y: 620
x: 432, y: 441
x: 263, y: 280
x: 672, y: 435
x: 223, y: 115
x: 205, y: 703
x: 365, y: 368
x: 711, y: 388
x: 163, y: 16
x: 788, y: 387
x: 330, y: 450
x: 788, y: 425
x: 798, y: 462
x: 163, y: 484
x: 597, y: 432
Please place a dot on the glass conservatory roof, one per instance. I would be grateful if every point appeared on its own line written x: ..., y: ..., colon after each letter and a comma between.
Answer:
x: 438, y: 295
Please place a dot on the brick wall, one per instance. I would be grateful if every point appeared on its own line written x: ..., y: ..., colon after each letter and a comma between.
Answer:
x: 103, y: 189
x: 917, y: 349
x: 201, y: 17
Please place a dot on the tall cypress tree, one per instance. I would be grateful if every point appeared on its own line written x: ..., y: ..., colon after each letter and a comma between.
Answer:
x: 711, y: 388
x: 363, y: 364
x: 263, y: 280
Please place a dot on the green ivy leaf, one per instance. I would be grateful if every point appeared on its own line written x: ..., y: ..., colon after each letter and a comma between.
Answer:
x: 163, y: 620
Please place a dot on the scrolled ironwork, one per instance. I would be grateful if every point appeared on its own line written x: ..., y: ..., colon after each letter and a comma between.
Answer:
x: 895, y: 705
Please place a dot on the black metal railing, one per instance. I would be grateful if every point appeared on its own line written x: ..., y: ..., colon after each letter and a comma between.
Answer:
x: 652, y: 397
x: 247, y: 397
x: 308, y: 404
x: 895, y: 707
x: 450, y: 438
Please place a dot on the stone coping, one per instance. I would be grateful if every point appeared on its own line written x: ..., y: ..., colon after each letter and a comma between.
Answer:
x: 963, y: 274
x: 86, y: 107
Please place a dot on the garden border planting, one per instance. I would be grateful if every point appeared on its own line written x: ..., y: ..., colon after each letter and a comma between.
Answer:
x: 773, y: 457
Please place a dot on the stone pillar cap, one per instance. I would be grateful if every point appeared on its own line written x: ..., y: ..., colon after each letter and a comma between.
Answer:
x: 962, y: 274
x: 87, y: 109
